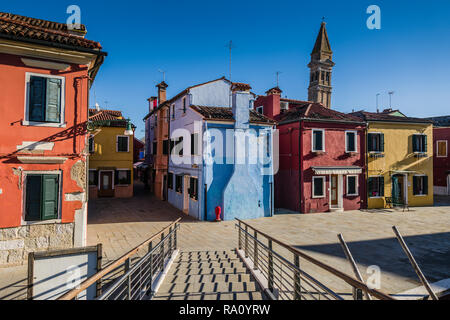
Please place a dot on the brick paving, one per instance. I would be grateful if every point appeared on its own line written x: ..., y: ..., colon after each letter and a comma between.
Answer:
x: 120, y: 224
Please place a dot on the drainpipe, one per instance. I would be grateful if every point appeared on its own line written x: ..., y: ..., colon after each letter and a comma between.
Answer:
x: 205, y: 127
x: 166, y: 191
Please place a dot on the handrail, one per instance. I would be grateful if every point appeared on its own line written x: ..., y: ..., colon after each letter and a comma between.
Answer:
x: 88, y: 282
x: 350, y: 280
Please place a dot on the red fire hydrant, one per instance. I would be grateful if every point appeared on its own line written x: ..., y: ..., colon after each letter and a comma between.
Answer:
x: 218, y: 211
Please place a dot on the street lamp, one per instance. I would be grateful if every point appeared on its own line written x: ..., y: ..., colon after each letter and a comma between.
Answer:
x: 129, y: 129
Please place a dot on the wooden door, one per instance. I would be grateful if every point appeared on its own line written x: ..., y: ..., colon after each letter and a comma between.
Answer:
x: 106, y: 184
x: 334, y: 190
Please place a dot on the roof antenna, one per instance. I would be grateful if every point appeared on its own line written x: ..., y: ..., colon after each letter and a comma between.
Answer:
x: 163, y: 74
x: 377, y: 102
x: 278, y: 74
x: 390, y: 98
x: 230, y: 48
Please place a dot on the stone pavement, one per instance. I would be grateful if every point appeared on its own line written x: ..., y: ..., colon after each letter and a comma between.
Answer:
x: 121, y: 224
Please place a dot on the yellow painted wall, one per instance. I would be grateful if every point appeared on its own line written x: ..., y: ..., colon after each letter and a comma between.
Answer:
x: 398, y: 156
x: 105, y: 154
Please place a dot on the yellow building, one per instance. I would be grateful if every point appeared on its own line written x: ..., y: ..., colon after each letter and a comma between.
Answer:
x: 111, y: 155
x: 399, y: 160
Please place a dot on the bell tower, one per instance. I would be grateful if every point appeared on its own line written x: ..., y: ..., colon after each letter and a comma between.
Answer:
x: 321, y: 67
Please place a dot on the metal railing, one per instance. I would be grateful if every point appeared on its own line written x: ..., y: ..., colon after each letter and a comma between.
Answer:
x: 283, y: 276
x: 137, y: 279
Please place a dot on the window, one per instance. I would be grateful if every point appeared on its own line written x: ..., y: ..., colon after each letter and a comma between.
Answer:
x: 420, y: 185
x: 193, y: 188
x: 352, y: 185
x: 179, y: 183
x: 419, y: 143
x: 177, y: 146
x: 184, y: 105
x: 123, y: 177
x: 91, y: 144
x: 170, y: 180
x: 42, y: 195
x: 173, y: 111
x: 318, y: 141
x: 376, y: 187
x: 122, y: 143
x: 194, y: 143
x: 441, y: 148
x: 350, y: 141
x: 318, y: 187
x: 260, y: 109
x: 165, y: 147
x: 93, y: 177
x: 155, y: 147
x: 45, y: 100
x: 167, y: 116
x: 375, y: 142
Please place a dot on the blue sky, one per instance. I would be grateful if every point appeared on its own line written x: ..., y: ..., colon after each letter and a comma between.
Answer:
x: 187, y: 39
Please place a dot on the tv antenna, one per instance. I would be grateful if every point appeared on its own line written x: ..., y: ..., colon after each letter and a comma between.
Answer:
x: 391, y: 93
x: 163, y: 74
x: 278, y: 75
x: 230, y: 47
x: 378, y: 94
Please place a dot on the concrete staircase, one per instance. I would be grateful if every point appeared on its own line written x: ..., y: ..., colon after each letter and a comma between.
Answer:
x: 208, y: 275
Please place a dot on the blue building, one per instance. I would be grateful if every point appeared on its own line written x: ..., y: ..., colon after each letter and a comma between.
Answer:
x: 221, y: 153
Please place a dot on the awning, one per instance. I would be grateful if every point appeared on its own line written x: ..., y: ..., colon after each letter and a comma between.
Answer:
x: 337, y: 170
x: 137, y: 164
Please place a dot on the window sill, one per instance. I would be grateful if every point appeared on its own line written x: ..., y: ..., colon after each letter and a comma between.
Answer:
x: 352, y: 153
x: 377, y: 197
x: 318, y: 197
x: 29, y: 223
x: 43, y: 124
x: 318, y: 152
x: 352, y: 195
x: 420, y: 195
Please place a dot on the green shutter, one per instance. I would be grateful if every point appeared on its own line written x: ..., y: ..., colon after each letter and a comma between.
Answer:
x: 53, y: 105
x: 36, y: 107
x: 382, y: 186
x: 425, y: 143
x: 50, y: 194
x: 414, y: 143
x: 33, y: 197
x: 382, y: 142
x: 370, y: 142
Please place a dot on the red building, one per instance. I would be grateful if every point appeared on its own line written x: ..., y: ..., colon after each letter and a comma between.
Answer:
x: 45, y: 74
x: 322, y: 155
x: 441, y: 157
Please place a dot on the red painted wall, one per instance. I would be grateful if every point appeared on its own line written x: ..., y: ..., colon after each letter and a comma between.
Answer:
x: 334, y: 155
x: 441, y: 166
x: 69, y: 141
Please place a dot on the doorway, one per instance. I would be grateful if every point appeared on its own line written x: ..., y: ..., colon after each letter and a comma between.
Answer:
x: 334, y: 190
x: 186, y: 194
x: 398, y: 188
x: 106, y: 184
x: 164, y: 186
x: 448, y: 185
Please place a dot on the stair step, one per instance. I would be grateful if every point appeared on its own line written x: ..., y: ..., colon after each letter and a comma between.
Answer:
x: 184, y: 271
x: 206, y: 257
x: 206, y: 264
x: 241, y: 277
x: 255, y: 295
x: 210, y: 259
x: 210, y: 287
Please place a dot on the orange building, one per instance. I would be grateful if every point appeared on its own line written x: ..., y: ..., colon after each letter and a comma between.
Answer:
x: 46, y: 71
x: 158, y: 119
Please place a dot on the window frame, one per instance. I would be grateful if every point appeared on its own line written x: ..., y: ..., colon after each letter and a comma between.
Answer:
x: 356, y: 185
x: 26, y: 121
x: 323, y: 187
x: 170, y: 185
x: 89, y: 180
x: 58, y: 219
x: 372, y: 151
x: 191, y: 195
x: 260, y: 108
x: 181, y: 184
x: 420, y: 176
x: 426, y: 143
x: 312, y: 140
x: 375, y: 197
x: 437, y: 149
x: 356, y: 141
x: 89, y: 144
x: 117, y: 143
x: 117, y: 183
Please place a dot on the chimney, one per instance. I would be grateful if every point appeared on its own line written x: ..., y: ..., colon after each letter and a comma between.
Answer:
x: 97, y: 107
x: 152, y: 103
x: 241, y: 97
x: 273, y: 102
x: 162, y: 91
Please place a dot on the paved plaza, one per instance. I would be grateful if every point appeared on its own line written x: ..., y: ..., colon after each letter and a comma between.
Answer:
x: 121, y: 224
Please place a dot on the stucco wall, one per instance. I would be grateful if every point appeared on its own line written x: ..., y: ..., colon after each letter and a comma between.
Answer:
x: 398, y: 156
x: 441, y: 164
